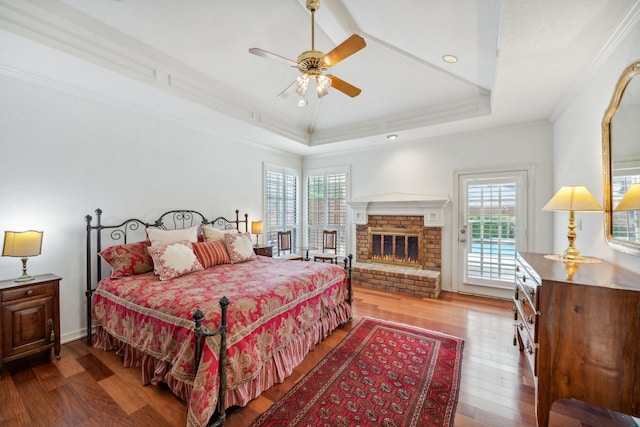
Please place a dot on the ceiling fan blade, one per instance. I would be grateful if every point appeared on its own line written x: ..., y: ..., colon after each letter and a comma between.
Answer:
x: 344, y: 50
x: 273, y: 56
x: 344, y: 87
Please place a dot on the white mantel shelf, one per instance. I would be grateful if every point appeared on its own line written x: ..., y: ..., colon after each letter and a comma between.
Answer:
x: 431, y: 207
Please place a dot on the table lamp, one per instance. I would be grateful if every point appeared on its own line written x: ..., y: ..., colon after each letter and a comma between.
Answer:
x: 631, y: 199
x: 571, y: 199
x: 22, y: 244
x: 256, y: 228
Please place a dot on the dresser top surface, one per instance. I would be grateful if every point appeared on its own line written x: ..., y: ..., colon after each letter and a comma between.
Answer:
x: 602, y: 273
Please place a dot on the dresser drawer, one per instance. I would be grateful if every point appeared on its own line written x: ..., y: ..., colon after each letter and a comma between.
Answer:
x: 530, y: 349
x: 27, y: 291
x: 526, y: 315
x: 529, y: 283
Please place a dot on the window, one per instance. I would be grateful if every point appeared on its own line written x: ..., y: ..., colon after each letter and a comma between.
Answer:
x: 327, y: 206
x: 281, y: 203
x: 626, y: 224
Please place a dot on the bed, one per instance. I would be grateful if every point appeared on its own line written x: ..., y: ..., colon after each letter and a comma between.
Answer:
x: 218, y: 335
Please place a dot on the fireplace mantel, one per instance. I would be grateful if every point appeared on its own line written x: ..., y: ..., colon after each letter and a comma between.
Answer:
x: 431, y: 207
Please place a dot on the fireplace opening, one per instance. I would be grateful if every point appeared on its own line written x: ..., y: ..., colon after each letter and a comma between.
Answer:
x: 395, y: 246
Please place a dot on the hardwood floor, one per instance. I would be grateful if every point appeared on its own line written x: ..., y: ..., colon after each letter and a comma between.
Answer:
x: 89, y: 387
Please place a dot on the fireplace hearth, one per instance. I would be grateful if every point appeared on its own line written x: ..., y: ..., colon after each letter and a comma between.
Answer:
x: 399, y: 243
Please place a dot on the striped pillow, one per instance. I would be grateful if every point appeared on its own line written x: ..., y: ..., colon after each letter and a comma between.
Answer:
x: 211, y: 253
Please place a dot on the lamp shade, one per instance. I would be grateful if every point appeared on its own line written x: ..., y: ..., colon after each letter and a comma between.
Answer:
x: 631, y: 199
x: 22, y: 243
x: 256, y: 227
x: 575, y: 198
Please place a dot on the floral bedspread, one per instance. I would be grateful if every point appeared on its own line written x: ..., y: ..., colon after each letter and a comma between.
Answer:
x: 274, y: 303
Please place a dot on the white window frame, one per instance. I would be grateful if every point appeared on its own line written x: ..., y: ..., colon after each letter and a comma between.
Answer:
x: 270, y: 230
x: 343, y: 233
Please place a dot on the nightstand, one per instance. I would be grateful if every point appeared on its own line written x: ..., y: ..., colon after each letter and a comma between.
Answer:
x: 29, y: 317
x: 263, y: 250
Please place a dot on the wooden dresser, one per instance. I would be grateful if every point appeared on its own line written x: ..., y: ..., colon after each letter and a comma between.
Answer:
x: 579, y: 326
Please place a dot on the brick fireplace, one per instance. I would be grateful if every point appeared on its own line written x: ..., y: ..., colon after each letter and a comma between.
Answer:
x: 399, y: 243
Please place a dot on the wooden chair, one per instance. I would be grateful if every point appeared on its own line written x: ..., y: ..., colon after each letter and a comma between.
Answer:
x: 285, y: 245
x: 329, y: 242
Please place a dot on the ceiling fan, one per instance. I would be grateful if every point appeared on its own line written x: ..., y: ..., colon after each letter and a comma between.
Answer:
x: 314, y: 64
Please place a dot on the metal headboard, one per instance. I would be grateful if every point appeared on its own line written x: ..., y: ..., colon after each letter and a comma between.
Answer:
x: 120, y: 234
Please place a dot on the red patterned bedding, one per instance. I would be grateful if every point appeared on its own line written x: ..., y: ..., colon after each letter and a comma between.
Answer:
x: 279, y: 310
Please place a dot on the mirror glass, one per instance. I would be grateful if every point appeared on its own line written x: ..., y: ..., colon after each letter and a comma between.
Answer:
x: 621, y: 160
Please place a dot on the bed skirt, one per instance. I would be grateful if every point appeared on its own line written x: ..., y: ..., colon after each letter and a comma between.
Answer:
x: 274, y: 370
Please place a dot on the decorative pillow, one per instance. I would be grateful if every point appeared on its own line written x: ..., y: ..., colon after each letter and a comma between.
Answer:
x: 212, y: 234
x: 211, y: 253
x: 174, y: 260
x: 239, y: 246
x: 128, y: 259
x: 160, y: 237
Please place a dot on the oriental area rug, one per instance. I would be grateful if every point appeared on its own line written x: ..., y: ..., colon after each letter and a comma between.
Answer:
x: 381, y: 374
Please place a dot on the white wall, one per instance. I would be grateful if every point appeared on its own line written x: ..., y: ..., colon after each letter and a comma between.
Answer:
x: 428, y: 167
x: 577, y: 151
x: 63, y: 156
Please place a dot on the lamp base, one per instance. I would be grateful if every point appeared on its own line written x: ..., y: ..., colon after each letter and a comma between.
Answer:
x: 571, y: 253
x: 25, y: 277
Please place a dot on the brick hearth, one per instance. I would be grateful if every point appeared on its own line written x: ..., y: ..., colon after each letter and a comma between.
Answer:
x: 423, y: 281
x: 407, y: 280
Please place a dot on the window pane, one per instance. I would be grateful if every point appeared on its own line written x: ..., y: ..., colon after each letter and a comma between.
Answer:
x: 327, y: 208
x: 625, y: 224
x: 281, y: 204
x: 491, y: 212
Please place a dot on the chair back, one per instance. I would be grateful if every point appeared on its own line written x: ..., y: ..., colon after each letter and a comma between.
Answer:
x: 330, y: 240
x: 284, y: 242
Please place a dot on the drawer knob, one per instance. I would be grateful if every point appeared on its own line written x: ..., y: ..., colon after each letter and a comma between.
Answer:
x: 30, y: 292
x: 530, y: 319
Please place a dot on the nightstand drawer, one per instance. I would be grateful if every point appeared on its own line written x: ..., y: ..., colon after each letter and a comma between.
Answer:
x: 27, y: 291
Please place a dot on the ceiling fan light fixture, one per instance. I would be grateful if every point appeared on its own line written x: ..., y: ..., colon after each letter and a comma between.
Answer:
x: 302, y: 84
x: 323, y: 83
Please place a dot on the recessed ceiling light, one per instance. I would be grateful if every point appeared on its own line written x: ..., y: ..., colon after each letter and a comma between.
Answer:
x: 392, y: 137
x: 450, y: 59
x: 302, y: 103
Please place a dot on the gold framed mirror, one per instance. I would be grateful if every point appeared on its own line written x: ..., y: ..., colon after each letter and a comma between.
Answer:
x: 621, y: 163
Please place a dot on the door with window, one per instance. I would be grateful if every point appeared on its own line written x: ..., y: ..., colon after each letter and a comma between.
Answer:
x: 492, y: 225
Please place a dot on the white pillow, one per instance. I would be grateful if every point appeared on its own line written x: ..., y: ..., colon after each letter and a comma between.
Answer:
x: 212, y: 234
x: 239, y: 246
x: 160, y: 237
x: 174, y: 260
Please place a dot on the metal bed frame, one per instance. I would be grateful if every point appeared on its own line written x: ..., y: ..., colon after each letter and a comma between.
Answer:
x: 174, y: 219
